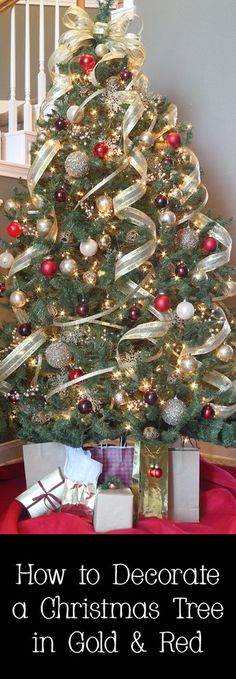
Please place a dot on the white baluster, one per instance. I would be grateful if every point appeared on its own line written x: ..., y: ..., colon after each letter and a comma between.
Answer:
x: 12, y: 108
x: 57, y: 23
x: 41, y: 74
x: 27, y: 104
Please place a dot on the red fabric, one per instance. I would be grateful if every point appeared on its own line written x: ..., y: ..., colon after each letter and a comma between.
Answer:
x: 218, y: 509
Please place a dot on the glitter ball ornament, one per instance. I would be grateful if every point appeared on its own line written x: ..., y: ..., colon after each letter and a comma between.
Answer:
x: 43, y: 226
x: 104, y: 242
x: 101, y: 50
x: 120, y: 397
x: 131, y: 236
x: 77, y: 164
x: 208, y: 412
x: 173, y: 411
x: 75, y: 373
x: 88, y: 248
x: 87, y: 62
x: 61, y: 124
x: 209, y: 244
x: 160, y: 201
x: 14, y: 229
x: 199, y: 275
x: 25, y: 329
x: 58, y: 355
x: 188, y: 364
x: 68, y: 266
x: 147, y: 138
x: 189, y: 238
x: 13, y: 397
x: 167, y: 218
x: 74, y: 114
x: 126, y: 75
x: 225, y: 353
x: 185, y: 310
x: 100, y: 150
x: 6, y: 260
x: 162, y: 303
x: 61, y: 195
x: 104, y: 204
x: 150, y: 397
x: 48, y: 267
x: 150, y: 433
x: 181, y: 270
x: 173, y: 139
x: 11, y: 206
x: 18, y: 298
x: 134, y: 313
x: 2, y: 289
x: 85, y: 406
x: 82, y: 309
x: 66, y: 237
x: 90, y: 277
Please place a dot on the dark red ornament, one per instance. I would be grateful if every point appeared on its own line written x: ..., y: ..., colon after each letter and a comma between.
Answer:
x: 162, y: 303
x: 2, y: 289
x: 87, y: 62
x: 155, y: 471
x: 181, y: 270
x: 14, y: 229
x: 48, y: 267
x: 75, y: 373
x: 173, y: 139
x: 100, y: 150
x: 82, y: 309
x: 167, y: 160
x: 13, y: 396
x: 126, y: 75
x: 150, y: 397
x: 24, y: 329
x: 160, y: 201
x: 134, y: 313
x: 61, y: 124
x: 208, y: 412
x: 85, y: 406
x: 209, y: 244
x: 60, y: 195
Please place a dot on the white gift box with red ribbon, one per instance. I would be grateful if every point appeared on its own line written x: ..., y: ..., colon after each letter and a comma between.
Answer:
x: 44, y: 496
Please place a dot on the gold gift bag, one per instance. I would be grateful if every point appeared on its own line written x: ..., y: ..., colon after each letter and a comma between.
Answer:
x: 153, y: 490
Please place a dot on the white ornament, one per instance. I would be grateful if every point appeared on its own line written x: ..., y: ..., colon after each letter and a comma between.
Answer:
x: 101, y: 50
x: 74, y: 115
x: 43, y: 226
x: 173, y: 411
x: 188, y: 364
x: 167, y: 218
x: 104, y: 204
x: 6, y: 260
x: 199, y: 275
x: 185, y: 310
x: 68, y: 266
x: 225, y: 353
x: 18, y: 298
x: 88, y: 248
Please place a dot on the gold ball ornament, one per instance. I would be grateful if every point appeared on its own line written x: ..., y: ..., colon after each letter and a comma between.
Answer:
x: 77, y: 164
x: 43, y: 226
x: 58, y: 355
x: 11, y: 206
x: 18, y: 298
x: 188, y: 364
x: 225, y: 353
x: 147, y: 139
x: 150, y: 433
x: 74, y: 115
x: 104, y: 204
x: 120, y: 397
x: 104, y: 241
x: 101, y: 50
x: 90, y: 277
x: 68, y: 266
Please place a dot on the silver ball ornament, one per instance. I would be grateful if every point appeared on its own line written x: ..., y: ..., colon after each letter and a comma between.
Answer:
x: 177, y: 194
x: 199, y: 275
x: 58, y: 355
x: 77, y: 164
x: 101, y: 50
x: 188, y: 364
x: 74, y: 115
x: 68, y: 266
x: 104, y: 204
x: 88, y: 248
x: 147, y: 138
x: 18, y: 298
x: 43, y: 226
x: 11, y: 206
x: 120, y: 397
x: 173, y: 411
x: 167, y: 218
x: 41, y: 138
x: 185, y: 310
x: 225, y: 353
x: 189, y: 238
x: 150, y: 433
x: 6, y: 260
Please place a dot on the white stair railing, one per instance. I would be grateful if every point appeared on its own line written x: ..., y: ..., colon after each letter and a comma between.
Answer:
x: 41, y: 73
x: 12, y: 110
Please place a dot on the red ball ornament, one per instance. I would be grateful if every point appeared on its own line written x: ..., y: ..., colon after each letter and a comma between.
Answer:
x: 48, y: 267
x: 75, y: 373
x: 134, y: 313
x: 13, y: 397
x: 160, y: 201
x: 151, y: 471
x: 162, y: 303
x: 87, y: 62
x: 158, y: 472
x: 82, y: 309
x: 2, y: 289
x: 126, y: 75
x: 61, y: 124
x: 173, y: 139
x: 14, y: 229
x: 150, y: 397
x: 100, y: 150
x: 60, y: 195
x: 207, y: 412
x: 167, y: 160
x: 24, y: 329
x: 209, y: 244
x: 84, y: 406
x: 181, y: 270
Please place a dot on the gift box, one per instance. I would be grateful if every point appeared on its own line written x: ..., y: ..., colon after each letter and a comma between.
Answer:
x: 78, y: 498
x: 113, y: 509
x: 184, y: 484
x: 41, y: 459
x: 44, y: 496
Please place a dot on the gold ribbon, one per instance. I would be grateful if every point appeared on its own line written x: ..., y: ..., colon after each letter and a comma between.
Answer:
x: 23, y: 260
x: 21, y: 353
x: 72, y: 383
x: 41, y: 162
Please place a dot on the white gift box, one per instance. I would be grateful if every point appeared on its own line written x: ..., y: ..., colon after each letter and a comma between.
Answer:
x: 42, y: 458
x: 113, y: 509
x: 45, y: 495
x: 184, y: 485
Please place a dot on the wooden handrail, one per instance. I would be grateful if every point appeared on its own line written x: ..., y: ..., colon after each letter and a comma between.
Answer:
x: 81, y: 3
x: 5, y: 4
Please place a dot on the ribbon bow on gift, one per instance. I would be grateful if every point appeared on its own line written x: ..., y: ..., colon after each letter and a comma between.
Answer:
x: 53, y: 500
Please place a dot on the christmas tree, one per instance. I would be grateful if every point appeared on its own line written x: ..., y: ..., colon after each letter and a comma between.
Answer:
x: 116, y: 273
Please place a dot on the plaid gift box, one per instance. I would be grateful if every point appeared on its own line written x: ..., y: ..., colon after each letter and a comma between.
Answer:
x: 117, y: 461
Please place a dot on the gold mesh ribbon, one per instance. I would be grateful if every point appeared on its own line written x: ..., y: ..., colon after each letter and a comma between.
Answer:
x: 153, y: 492
x: 21, y: 353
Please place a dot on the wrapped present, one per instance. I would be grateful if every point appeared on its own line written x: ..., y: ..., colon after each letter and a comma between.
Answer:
x: 78, y: 498
x: 116, y: 461
x: 42, y: 458
x: 113, y: 509
x: 184, y: 483
x: 152, y: 462
x: 45, y: 495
